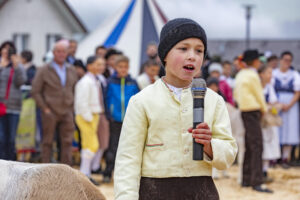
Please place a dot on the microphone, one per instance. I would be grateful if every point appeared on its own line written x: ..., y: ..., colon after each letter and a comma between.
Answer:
x: 198, y: 91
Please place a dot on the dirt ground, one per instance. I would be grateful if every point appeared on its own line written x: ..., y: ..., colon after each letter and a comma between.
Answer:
x: 286, y: 186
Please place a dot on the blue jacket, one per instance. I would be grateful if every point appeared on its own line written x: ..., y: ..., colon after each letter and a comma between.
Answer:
x: 118, y: 93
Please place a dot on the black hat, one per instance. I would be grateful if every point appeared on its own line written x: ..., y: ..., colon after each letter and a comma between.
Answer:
x: 250, y: 55
x: 177, y: 30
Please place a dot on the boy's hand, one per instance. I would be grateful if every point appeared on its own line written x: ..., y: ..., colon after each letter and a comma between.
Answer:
x: 203, y: 135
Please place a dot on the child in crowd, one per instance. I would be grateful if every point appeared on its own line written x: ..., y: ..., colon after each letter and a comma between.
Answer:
x: 87, y: 109
x: 215, y: 70
x: 213, y: 84
x: 154, y: 159
x: 286, y: 82
x: 227, y: 73
x: 110, y: 58
x: 121, y: 87
x: 271, y: 146
x: 103, y: 126
x: 150, y: 75
x: 80, y: 68
x: 26, y: 59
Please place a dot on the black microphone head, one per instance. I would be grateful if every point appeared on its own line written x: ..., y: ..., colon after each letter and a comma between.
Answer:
x: 198, y: 87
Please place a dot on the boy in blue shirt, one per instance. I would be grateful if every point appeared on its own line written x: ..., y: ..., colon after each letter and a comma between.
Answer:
x: 121, y: 87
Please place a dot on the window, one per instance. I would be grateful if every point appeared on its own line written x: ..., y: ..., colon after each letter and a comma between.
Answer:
x: 51, y: 39
x: 21, y: 41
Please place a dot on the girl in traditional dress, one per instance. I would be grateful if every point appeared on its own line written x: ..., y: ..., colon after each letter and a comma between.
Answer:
x: 286, y: 82
x: 271, y: 146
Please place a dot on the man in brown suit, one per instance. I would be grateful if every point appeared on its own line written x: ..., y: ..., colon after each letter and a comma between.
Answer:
x: 53, y: 91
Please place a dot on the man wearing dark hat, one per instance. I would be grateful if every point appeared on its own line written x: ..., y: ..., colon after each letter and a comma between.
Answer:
x: 249, y: 95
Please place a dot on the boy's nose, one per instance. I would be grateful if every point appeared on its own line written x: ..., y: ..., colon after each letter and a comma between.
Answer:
x: 191, y: 55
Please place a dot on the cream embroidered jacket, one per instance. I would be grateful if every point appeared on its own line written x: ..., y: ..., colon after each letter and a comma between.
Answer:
x: 154, y: 140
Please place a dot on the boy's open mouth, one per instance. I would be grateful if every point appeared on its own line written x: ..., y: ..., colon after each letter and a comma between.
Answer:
x: 189, y: 67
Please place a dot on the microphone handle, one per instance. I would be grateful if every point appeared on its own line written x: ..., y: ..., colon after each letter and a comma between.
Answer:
x: 198, y: 118
x: 197, y: 148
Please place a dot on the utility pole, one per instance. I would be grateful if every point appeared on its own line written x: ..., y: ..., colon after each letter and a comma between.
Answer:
x: 248, y: 8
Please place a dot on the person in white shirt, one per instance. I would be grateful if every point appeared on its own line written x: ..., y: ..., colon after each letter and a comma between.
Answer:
x: 87, y: 110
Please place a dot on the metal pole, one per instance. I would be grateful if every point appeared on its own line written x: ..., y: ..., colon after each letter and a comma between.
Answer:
x: 248, y: 18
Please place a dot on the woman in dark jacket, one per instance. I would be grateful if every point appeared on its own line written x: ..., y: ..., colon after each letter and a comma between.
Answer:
x: 11, y: 97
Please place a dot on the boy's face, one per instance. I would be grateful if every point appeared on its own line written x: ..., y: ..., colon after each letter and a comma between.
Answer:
x: 273, y: 63
x: 97, y: 66
x: 227, y: 69
x: 122, y: 69
x: 101, y: 65
x: 184, y: 61
x: 152, y: 70
x: 215, y: 74
x: 256, y: 63
x: 111, y: 61
x: 72, y: 48
x: 101, y: 52
x: 266, y: 76
x: 152, y: 51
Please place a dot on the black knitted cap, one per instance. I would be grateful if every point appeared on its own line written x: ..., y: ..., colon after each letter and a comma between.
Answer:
x: 176, y: 30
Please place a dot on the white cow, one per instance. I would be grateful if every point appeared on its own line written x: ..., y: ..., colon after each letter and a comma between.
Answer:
x: 26, y: 181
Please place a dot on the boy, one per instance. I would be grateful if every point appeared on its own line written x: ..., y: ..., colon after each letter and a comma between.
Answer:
x: 120, y: 88
x: 248, y: 93
x: 150, y: 75
x: 154, y: 159
x: 87, y: 109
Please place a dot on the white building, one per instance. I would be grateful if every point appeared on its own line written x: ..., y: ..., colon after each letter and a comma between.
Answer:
x: 36, y: 24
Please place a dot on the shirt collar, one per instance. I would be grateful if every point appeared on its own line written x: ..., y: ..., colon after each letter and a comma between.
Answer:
x: 57, y: 66
x: 167, y: 84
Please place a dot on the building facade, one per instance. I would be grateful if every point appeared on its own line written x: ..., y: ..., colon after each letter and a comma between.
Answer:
x: 36, y: 24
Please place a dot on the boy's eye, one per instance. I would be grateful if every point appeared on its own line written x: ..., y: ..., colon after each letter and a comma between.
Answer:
x: 199, y: 50
x: 183, y: 48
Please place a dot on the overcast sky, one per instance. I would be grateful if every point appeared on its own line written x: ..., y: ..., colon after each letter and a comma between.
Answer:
x: 222, y: 19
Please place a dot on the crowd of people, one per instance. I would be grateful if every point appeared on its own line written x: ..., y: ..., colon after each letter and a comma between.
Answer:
x: 92, y: 97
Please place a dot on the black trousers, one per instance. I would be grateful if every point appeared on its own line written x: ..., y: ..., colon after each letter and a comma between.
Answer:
x: 252, y: 166
x: 178, y: 188
x: 115, y: 131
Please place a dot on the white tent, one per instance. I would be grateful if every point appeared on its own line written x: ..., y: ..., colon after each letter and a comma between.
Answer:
x: 130, y: 30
